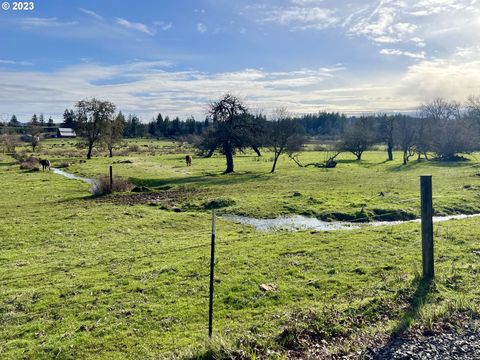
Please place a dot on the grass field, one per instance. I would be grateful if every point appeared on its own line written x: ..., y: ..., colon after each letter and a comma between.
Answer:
x: 105, y: 278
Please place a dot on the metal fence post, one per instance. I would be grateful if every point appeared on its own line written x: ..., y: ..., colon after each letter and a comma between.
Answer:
x: 212, y: 266
x: 111, y: 178
x: 427, y: 226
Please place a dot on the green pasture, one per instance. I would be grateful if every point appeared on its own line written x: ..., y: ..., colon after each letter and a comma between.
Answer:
x: 98, y: 278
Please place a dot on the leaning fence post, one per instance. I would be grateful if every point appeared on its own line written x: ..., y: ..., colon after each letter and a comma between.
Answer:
x: 111, y: 178
x: 212, y: 265
x: 427, y: 226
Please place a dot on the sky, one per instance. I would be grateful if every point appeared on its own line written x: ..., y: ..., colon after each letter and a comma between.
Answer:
x: 174, y: 57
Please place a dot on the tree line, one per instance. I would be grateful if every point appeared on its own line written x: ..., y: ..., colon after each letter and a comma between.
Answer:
x: 160, y: 127
x: 442, y: 128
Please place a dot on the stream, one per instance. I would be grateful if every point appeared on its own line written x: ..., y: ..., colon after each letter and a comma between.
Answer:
x: 300, y: 222
x: 68, y: 175
x: 293, y: 222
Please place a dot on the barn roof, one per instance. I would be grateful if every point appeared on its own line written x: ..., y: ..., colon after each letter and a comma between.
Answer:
x: 66, y: 132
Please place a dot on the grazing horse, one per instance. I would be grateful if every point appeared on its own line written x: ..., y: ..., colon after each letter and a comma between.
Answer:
x: 188, y: 160
x: 45, y: 164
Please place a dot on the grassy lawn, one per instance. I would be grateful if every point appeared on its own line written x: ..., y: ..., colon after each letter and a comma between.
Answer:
x: 106, y: 280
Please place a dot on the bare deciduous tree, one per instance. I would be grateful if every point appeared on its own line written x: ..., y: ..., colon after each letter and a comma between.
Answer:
x: 283, y: 135
x: 386, y: 133
x: 113, y: 132
x: 445, y: 131
x: 405, y: 133
x: 8, y: 140
x: 34, y: 131
x: 358, y: 137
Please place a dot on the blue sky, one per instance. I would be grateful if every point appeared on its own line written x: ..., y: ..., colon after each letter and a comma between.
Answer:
x: 175, y: 56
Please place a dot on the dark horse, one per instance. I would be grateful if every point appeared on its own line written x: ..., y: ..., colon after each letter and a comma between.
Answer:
x: 188, y: 160
x: 45, y: 164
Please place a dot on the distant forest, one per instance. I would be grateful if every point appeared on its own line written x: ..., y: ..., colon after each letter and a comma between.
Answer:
x: 322, y: 123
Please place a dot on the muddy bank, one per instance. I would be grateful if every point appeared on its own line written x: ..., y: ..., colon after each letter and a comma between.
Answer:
x: 167, y: 199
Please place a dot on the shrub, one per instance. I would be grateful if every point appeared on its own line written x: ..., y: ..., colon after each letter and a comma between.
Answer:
x: 30, y: 164
x: 102, y: 185
x: 134, y: 148
x: 218, y: 203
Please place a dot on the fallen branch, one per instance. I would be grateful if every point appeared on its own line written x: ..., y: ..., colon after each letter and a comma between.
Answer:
x: 329, y: 164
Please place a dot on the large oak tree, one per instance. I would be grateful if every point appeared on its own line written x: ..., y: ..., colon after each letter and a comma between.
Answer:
x: 233, y: 128
x: 93, y: 116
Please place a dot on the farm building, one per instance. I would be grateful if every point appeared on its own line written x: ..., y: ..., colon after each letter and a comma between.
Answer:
x: 66, y: 133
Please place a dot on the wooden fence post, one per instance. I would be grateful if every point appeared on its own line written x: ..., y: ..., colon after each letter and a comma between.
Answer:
x: 427, y: 226
x: 212, y: 266
x: 111, y: 178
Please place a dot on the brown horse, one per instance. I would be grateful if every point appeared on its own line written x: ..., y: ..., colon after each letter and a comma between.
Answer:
x: 45, y: 164
x: 188, y: 160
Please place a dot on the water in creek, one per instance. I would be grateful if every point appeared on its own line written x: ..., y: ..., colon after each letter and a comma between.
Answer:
x: 300, y: 222
x: 292, y: 222
x: 68, y: 175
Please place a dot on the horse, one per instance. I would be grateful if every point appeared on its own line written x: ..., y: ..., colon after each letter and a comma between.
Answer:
x: 45, y: 164
x: 188, y: 160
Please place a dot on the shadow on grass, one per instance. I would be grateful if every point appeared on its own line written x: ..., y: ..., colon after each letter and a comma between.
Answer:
x: 416, y: 303
x: 415, y: 164
x: 349, y: 161
x: 201, y: 180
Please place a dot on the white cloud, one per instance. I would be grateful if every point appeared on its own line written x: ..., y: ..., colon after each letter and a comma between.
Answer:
x: 407, y: 23
x: 391, y: 52
x: 91, y: 13
x: 44, y: 22
x: 148, y: 87
x: 13, y: 62
x: 163, y: 25
x: 201, y: 27
x: 448, y: 78
x: 303, y: 18
x: 307, y: 2
x: 418, y: 42
x: 135, y: 26
x: 397, y: 52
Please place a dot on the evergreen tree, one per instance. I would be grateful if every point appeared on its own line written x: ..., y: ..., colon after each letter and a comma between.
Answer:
x: 41, y: 120
x: 176, y: 127
x: 166, y: 126
x: 152, y: 128
x: 34, y: 120
x: 14, y: 121
x: 68, y: 119
x: 189, y: 126
x: 134, y: 128
x: 160, y: 126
